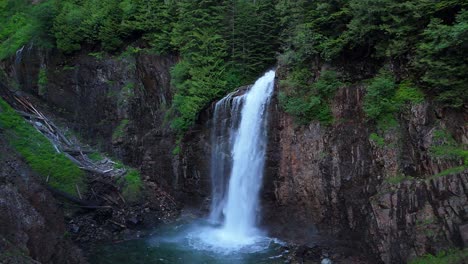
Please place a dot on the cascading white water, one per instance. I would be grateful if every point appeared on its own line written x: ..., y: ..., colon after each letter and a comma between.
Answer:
x: 248, y: 154
x: 239, y: 138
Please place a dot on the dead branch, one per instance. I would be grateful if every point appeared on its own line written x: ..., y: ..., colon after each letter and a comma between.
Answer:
x: 28, y: 115
x: 76, y: 151
x: 93, y: 170
x: 116, y: 223
x: 70, y: 197
x: 78, y: 191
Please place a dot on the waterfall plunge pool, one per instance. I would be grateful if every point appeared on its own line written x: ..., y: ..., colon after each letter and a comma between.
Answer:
x: 189, y: 240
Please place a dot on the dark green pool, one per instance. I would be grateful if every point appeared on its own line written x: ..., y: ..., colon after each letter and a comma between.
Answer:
x: 184, y: 242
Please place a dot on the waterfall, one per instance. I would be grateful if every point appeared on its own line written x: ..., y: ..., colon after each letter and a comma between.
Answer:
x: 239, y: 143
x: 16, y: 67
x: 19, y: 55
x: 225, y: 120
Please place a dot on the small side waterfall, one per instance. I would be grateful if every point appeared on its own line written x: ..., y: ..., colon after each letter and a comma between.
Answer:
x: 237, y: 161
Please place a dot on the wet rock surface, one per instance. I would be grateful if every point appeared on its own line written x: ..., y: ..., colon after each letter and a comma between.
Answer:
x: 296, y: 254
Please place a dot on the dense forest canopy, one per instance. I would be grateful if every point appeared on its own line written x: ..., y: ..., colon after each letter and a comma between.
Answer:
x: 223, y: 44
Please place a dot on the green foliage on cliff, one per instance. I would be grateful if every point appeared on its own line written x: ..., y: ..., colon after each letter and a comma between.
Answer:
x: 378, y: 140
x: 450, y: 171
x: 385, y: 98
x: 444, y: 146
x: 379, y: 103
x: 119, y: 131
x: 306, y: 100
x: 452, y: 256
x: 39, y: 152
x: 398, y: 179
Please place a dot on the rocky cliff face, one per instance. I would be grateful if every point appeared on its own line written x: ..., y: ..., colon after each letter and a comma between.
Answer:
x: 32, y: 228
x: 339, y: 182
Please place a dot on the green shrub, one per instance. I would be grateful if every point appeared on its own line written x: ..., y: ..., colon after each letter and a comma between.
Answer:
x: 407, y: 92
x: 307, y: 102
x: 452, y: 256
x: 129, y: 52
x: 98, y: 55
x: 95, y: 156
x: 39, y: 153
x: 119, y: 165
x: 398, y: 179
x: 379, y: 101
x: 384, y: 99
x: 119, y: 131
x: 378, y: 140
x: 444, y: 146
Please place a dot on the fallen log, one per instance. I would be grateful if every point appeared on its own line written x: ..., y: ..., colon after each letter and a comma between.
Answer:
x: 76, y: 151
x: 28, y: 115
x: 77, y: 162
x: 93, y: 170
x: 70, y: 197
x: 65, y: 139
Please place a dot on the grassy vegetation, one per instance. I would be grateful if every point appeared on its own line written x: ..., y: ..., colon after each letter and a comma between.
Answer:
x: 426, y: 222
x: 95, y: 156
x: 453, y: 170
x: 128, y: 88
x: 131, y: 183
x: 68, y: 68
x: 119, y: 165
x: 398, y: 179
x: 132, y: 186
x: 444, y: 146
x: 453, y: 256
x: 39, y: 153
x: 120, y: 129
